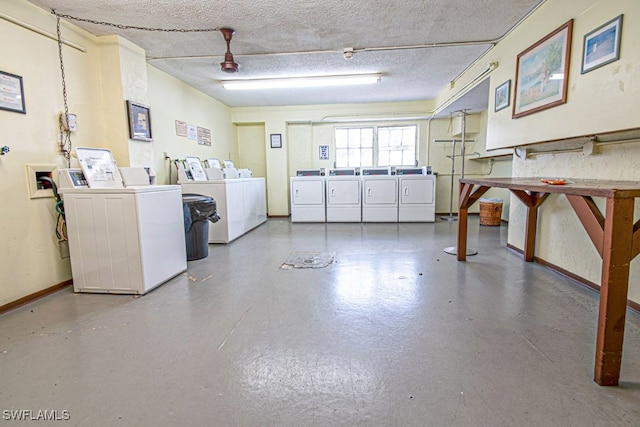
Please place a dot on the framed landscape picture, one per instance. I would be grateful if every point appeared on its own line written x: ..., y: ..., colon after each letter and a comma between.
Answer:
x: 503, y: 95
x: 542, y: 73
x: 602, y: 45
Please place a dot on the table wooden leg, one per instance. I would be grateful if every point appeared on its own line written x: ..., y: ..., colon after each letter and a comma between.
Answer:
x: 463, y: 214
x: 616, y: 257
x: 532, y: 200
x: 467, y: 198
x: 530, y: 233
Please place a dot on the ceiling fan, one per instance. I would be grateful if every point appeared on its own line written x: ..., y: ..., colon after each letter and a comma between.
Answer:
x: 228, y: 65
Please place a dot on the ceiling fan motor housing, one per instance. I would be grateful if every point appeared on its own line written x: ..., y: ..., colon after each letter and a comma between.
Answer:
x: 228, y: 65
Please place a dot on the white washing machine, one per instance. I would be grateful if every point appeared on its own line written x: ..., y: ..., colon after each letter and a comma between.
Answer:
x: 343, y: 196
x: 379, y: 195
x: 121, y: 240
x: 308, y: 196
x: 417, y: 190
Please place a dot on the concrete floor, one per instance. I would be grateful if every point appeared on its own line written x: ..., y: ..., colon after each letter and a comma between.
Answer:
x: 394, y: 333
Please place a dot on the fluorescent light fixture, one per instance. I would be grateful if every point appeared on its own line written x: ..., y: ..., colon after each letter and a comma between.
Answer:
x: 298, y: 82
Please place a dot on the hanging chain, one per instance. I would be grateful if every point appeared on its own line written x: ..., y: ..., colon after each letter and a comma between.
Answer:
x: 65, y: 134
x: 132, y: 27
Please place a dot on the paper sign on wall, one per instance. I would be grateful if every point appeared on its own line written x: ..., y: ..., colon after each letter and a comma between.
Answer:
x: 181, y: 128
x: 324, y: 152
x: 192, y: 132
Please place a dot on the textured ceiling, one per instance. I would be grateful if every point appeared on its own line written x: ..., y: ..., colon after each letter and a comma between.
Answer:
x: 280, y: 38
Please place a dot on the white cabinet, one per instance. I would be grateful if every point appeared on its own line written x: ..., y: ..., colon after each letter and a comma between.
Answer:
x: 241, y: 204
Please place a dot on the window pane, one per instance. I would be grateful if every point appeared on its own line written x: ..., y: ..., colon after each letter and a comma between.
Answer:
x: 341, y: 138
x: 395, y: 158
x: 341, y: 158
x: 354, y: 158
x: 354, y: 142
x: 383, y: 137
x: 383, y: 158
x: 367, y: 157
x: 354, y: 134
x: 367, y: 134
x: 408, y: 158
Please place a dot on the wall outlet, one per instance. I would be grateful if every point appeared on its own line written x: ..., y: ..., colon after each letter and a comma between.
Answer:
x: 36, y: 189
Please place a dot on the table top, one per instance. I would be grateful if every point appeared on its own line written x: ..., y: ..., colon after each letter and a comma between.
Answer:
x: 578, y: 187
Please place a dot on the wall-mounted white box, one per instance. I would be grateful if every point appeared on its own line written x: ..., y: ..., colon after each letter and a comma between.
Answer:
x: 472, y: 125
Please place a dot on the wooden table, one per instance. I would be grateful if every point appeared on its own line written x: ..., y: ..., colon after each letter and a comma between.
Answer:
x: 614, y: 235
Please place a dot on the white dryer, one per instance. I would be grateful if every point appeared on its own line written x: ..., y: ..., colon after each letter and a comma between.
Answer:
x: 308, y: 196
x: 379, y: 195
x: 417, y: 191
x: 343, y: 196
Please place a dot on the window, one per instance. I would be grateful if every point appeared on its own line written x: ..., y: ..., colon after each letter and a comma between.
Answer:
x: 354, y: 147
x: 392, y: 146
x: 397, y: 146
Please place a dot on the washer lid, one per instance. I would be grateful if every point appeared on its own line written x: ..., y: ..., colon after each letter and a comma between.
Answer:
x: 99, y: 168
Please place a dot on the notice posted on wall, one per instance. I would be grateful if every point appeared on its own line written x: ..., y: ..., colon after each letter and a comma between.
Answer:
x: 181, y: 128
x: 324, y: 152
x: 204, y: 136
x: 192, y: 132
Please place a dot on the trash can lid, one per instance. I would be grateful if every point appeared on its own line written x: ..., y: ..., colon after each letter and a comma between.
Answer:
x: 191, y: 198
x: 197, y: 207
x: 490, y: 200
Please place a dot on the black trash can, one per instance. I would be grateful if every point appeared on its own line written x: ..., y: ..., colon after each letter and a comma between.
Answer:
x: 198, y: 211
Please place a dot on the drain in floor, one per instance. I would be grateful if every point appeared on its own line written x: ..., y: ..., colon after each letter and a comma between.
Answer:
x: 309, y: 260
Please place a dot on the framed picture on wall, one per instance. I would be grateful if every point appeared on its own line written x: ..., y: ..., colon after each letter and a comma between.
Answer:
x: 503, y: 95
x: 542, y: 72
x: 602, y: 45
x: 139, y: 122
x: 12, y: 98
x: 276, y: 140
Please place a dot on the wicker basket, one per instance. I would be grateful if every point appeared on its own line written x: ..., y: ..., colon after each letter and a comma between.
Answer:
x: 490, y: 211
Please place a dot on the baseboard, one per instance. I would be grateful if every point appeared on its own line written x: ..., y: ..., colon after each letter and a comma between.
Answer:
x: 578, y: 279
x: 37, y: 295
x: 277, y: 216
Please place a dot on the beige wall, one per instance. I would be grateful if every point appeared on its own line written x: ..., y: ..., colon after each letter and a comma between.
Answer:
x: 99, y: 80
x: 597, y: 101
x: 306, y: 137
x: 29, y: 257
x: 112, y: 70
x: 604, y: 99
x: 171, y: 100
x: 251, y: 148
x: 306, y: 131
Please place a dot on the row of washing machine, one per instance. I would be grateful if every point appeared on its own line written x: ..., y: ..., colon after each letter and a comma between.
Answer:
x: 368, y: 195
